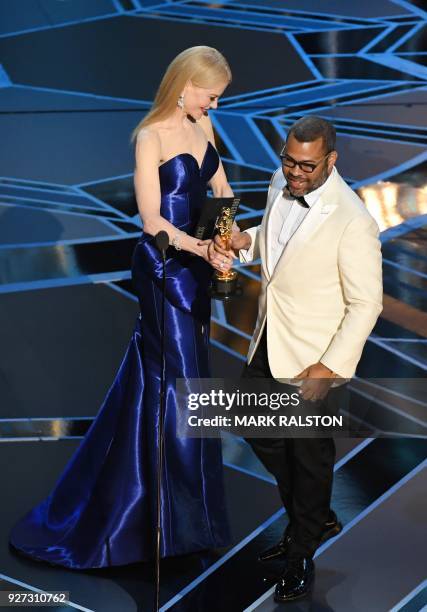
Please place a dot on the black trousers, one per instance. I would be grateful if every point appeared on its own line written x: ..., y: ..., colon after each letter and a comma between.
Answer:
x: 303, y: 468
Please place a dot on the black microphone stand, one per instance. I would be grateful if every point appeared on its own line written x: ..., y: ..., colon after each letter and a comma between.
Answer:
x: 162, y: 242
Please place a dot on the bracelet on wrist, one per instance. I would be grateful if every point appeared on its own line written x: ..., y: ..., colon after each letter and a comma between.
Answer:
x: 176, y: 240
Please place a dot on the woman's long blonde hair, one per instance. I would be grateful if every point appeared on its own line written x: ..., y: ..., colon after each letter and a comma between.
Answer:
x: 203, y: 66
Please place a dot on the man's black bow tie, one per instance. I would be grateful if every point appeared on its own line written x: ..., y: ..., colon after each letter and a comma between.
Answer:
x: 289, y: 196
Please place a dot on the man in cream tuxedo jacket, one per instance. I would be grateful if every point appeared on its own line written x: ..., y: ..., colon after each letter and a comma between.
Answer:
x: 321, y: 294
x: 324, y: 295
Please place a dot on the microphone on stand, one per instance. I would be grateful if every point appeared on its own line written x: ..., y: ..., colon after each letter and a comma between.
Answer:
x: 162, y: 242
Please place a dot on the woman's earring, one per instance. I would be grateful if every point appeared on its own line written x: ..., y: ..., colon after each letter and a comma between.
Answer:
x: 181, y: 102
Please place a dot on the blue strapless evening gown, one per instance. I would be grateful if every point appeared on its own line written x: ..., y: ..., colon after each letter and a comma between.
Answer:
x: 102, y: 511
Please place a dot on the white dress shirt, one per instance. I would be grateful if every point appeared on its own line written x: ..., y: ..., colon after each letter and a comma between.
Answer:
x: 285, y: 218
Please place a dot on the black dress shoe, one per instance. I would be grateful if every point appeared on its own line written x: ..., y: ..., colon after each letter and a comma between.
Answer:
x: 296, y: 580
x: 332, y: 528
x: 278, y: 551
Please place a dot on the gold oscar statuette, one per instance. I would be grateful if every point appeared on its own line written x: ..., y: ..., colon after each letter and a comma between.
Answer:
x: 224, y: 284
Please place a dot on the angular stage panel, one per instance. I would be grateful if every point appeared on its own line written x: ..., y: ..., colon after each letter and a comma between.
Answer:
x: 68, y: 148
x: 240, y: 173
x: 362, y: 157
x: 20, y: 225
x: 416, y: 175
x: 362, y: 571
x: 336, y: 8
x: 405, y: 267
x: 359, y: 483
x: 22, y: 99
x: 112, y: 49
x: 418, y: 59
x: 241, y: 17
x: 255, y: 200
x: 388, y: 329
x: 29, y: 14
x: 48, y: 193
x: 406, y: 289
x: 341, y: 42
x: 379, y: 362
x: 127, y: 588
x: 66, y: 343
x: 64, y: 264
x: 246, y: 139
x: 407, y: 108
x: 359, y: 68
x: 324, y: 93
x: 417, y: 42
x: 391, y: 38
x: 416, y: 350
x: 118, y: 193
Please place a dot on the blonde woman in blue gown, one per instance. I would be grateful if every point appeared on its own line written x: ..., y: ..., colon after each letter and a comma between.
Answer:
x: 102, y: 511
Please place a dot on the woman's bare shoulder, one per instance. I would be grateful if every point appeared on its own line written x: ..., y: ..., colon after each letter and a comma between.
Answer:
x: 148, y: 135
x: 147, y: 147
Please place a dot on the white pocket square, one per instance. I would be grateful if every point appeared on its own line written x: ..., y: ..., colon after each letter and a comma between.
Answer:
x: 326, y: 209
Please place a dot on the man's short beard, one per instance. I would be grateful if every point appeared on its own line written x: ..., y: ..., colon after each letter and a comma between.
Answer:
x: 322, y: 179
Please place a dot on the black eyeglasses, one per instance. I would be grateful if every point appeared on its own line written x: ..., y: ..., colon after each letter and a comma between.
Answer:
x: 290, y: 162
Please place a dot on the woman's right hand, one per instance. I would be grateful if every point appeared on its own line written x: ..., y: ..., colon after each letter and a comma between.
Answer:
x: 202, y: 249
x: 222, y: 263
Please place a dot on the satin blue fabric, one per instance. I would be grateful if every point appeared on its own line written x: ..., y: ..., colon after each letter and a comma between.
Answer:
x: 102, y: 511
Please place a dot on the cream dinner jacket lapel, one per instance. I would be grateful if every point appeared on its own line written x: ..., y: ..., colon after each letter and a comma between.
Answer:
x: 316, y: 216
x: 265, y: 237
x: 275, y: 193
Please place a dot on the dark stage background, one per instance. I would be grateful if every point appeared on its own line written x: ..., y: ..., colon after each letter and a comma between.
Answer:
x: 75, y: 78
